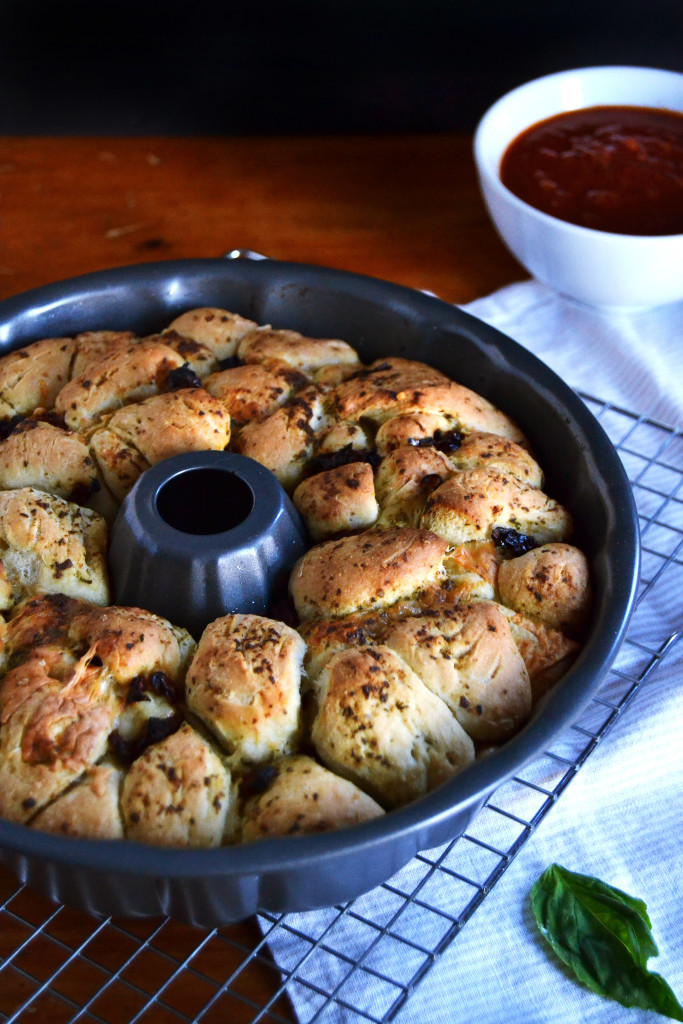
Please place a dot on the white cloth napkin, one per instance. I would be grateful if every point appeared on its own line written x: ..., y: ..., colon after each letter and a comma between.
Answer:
x: 622, y: 816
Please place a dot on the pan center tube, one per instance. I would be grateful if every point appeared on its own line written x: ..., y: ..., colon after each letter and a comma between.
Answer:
x: 204, y: 534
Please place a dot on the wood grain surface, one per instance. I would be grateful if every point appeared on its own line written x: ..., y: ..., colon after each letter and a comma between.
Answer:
x: 406, y: 209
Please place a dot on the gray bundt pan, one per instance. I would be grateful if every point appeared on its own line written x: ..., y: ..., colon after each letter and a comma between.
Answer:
x: 583, y: 470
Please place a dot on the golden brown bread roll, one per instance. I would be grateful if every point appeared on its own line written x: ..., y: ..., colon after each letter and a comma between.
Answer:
x: 340, y: 500
x: 267, y: 345
x: 547, y: 652
x: 285, y: 441
x: 365, y: 571
x: 398, y: 386
x: 412, y: 428
x: 40, y: 455
x: 52, y: 730
x: 89, y: 809
x: 405, y: 479
x: 143, y: 433
x: 32, y: 377
x: 379, y: 726
x: 298, y: 795
x: 493, y: 452
x: 551, y: 582
x: 130, y: 373
x: 51, y: 545
x: 216, y: 328
x: 252, y: 392
x: 473, y: 502
x: 179, y: 793
x: 125, y: 643
x: 468, y: 657
x: 244, y: 684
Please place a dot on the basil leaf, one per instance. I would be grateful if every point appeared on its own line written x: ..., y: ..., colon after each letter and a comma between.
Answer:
x: 604, y: 936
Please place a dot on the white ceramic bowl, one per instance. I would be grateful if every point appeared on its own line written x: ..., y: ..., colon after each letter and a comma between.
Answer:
x: 595, y: 267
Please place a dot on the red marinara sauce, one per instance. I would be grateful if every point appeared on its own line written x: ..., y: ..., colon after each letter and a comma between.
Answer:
x: 612, y: 168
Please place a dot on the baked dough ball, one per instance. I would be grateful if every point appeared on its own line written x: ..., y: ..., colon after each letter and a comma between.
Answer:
x: 365, y: 571
x: 197, y: 357
x: 124, y: 643
x: 252, y: 392
x: 500, y: 454
x: 132, y: 372
x: 379, y: 726
x: 74, y: 668
x: 32, y: 377
x: 143, y: 433
x: 552, y: 582
x: 326, y: 637
x: 285, y: 441
x: 267, y: 345
x: 40, y: 455
x: 473, y: 502
x: 179, y: 793
x: 548, y: 653
x: 297, y: 795
x: 345, y: 438
x: 216, y: 328
x: 398, y: 386
x: 89, y: 809
x: 468, y: 657
x: 48, y: 544
x: 244, y: 684
x: 405, y: 479
x: 93, y: 346
x: 130, y: 642
x: 52, y: 731
x: 338, y: 501
x: 416, y: 429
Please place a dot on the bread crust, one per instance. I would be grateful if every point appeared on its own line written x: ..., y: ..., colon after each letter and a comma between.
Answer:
x: 398, y: 386
x: 290, y: 348
x: 89, y: 809
x: 365, y: 571
x: 218, y: 329
x: 551, y: 582
x: 302, y: 796
x: 379, y: 726
x: 244, y: 682
x: 41, y: 455
x: 132, y: 372
x: 253, y: 391
x: 337, y: 501
x: 179, y: 794
x: 50, y: 545
x: 285, y: 441
x: 33, y: 376
x: 468, y: 657
x: 473, y: 502
x: 143, y: 433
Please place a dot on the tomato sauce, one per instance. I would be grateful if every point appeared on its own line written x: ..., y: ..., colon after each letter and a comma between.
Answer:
x: 612, y: 168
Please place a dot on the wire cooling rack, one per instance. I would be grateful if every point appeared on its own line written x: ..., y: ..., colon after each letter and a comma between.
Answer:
x: 61, y: 965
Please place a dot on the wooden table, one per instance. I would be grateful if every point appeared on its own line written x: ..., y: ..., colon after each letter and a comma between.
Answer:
x: 406, y: 209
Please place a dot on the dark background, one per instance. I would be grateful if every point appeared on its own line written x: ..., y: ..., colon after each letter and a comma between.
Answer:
x: 302, y: 67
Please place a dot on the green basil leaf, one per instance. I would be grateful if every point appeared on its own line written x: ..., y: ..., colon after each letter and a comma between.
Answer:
x: 604, y: 936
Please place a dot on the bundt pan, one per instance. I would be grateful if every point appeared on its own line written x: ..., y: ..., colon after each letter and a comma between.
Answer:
x: 217, y: 886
